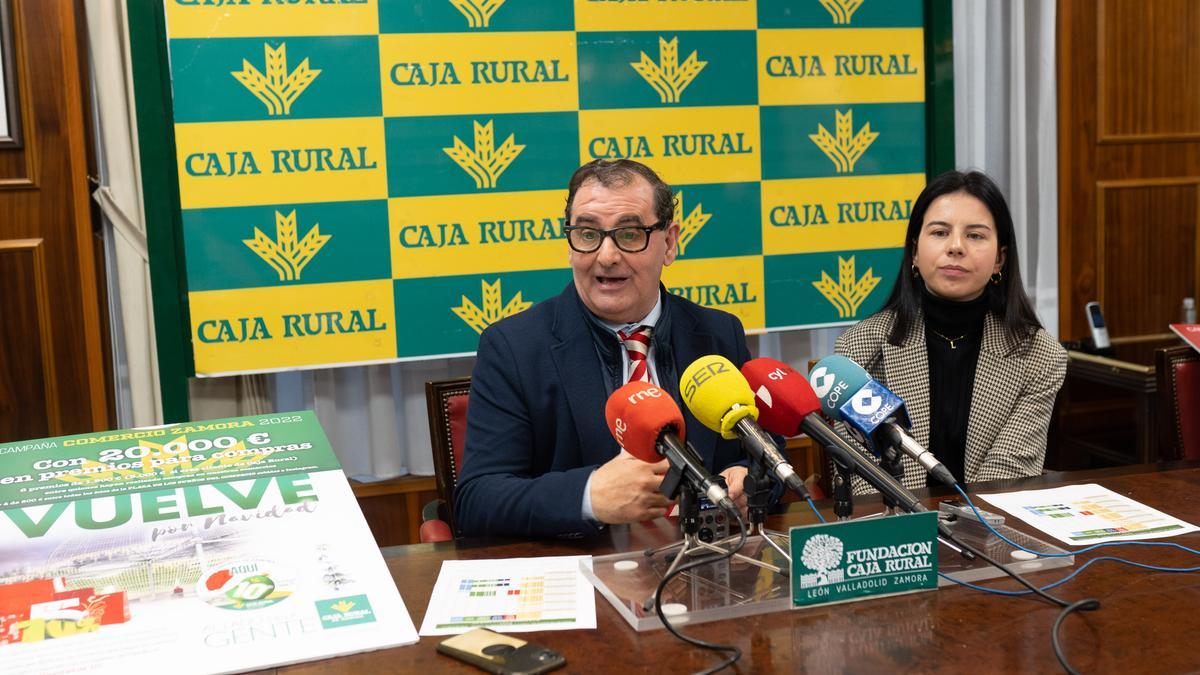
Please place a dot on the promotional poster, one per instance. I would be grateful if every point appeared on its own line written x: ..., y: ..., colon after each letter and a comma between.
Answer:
x: 215, y: 546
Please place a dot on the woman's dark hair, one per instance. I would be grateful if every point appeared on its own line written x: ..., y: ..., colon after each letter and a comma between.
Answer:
x: 1006, y: 299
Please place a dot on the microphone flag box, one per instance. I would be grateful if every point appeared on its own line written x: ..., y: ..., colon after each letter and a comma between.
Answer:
x: 856, y: 559
x: 869, y: 407
x: 218, y: 546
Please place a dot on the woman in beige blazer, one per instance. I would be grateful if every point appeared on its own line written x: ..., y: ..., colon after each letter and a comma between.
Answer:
x: 959, y: 341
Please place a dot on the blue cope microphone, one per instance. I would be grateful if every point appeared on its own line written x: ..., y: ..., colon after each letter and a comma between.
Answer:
x: 876, y: 416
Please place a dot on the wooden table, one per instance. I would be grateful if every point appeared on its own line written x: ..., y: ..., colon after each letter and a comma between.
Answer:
x: 1147, y: 622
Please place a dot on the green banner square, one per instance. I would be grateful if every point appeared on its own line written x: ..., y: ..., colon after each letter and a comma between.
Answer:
x: 727, y: 223
x: 819, y: 288
x: 444, y: 16
x: 834, y: 14
x: 218, y: 257
x: 789, y: 151
x: 205, y: 88
x: 419, y: 161
x: 726, y: 75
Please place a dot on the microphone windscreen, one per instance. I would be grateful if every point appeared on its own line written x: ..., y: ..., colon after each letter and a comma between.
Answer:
x: 782, y: 395
x: 637, y: 414
x: 834, y: 379
x: 717, y: 394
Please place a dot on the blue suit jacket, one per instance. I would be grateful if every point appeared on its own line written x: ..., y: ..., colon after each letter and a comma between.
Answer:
x: 535, y: 422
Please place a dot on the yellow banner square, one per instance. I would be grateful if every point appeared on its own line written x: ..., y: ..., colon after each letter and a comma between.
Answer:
x: 840, y: 66
x: 833, y: 214
x: 248, y: 18
x: 451, y: 74
x: 503, y: 232
x: 280, y: 161
x: 683, y: 145
x: 734, y: 285
x: 278, y: 328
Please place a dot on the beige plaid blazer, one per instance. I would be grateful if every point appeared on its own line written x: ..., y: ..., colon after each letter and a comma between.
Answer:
x: 1016, y: 383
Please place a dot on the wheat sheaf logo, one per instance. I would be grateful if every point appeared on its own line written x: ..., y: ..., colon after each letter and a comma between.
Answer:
x: 286, y: 254
x: 846, y: 147
x: 478, y: 12
x: 342, y: 606
x: 669, y: 77
x: 278, y: 89
x: 690, y: 226
x: 823, y: 553
x: 494, y: 308
x: 485, y: 162
x: 841, y: 10
x: 848, y: 292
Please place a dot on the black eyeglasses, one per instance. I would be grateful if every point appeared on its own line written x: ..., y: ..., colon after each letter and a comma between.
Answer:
x: 629, y: 238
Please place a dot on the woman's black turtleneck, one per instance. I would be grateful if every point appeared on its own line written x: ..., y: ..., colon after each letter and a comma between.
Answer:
x: 951, y: 373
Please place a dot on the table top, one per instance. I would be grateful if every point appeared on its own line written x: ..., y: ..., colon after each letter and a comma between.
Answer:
x: 1146, y: 621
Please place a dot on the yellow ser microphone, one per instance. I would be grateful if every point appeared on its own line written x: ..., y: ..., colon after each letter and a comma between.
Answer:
x: 719, y: 396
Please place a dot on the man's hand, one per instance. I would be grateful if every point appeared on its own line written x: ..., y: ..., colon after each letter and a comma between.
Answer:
x: 625, y: 490
x: 735, y: 476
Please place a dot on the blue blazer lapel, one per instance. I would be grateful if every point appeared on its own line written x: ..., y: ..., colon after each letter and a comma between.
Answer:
x: 574, y: 353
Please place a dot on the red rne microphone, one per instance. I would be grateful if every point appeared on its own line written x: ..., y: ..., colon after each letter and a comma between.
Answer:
x: 648, y: 424
x: 638, y: 414
x: 783, y: 396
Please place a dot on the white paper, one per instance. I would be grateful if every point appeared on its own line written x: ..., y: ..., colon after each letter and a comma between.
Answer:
x: 511, y: 596
x: 1082, y: 515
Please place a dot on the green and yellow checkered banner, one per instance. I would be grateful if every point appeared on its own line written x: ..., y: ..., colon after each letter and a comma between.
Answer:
x: 379, y: 180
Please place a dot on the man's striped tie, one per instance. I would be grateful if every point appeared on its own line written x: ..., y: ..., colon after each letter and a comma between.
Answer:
x: 637, y: 343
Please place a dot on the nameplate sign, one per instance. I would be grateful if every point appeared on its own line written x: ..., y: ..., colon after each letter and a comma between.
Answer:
x: 870, y: 557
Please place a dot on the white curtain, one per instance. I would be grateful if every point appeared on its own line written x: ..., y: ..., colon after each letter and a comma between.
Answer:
x: 1006, y: 125
x: 120, y: 199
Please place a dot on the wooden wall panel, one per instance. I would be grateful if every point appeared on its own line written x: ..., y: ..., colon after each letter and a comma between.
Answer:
x: 1147, y: 236
x: 1141, y: 66
x: 26, y: 372
x: 1129, y: 161
x: 44, y: 195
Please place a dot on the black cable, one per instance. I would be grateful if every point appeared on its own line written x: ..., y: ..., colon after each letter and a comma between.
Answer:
x: 1087, y: 604
x: 991, y: 561
x: 737, y: 652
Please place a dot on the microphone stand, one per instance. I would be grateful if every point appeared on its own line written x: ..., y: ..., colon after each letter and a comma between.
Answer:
x: 757, y: 487
x: 843, y: 493
x: 673, y: 486
x: 890, y: 461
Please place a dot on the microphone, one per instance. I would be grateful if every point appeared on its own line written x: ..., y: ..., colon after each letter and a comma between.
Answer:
x: 875, y: 414
x: 649, y: 426
x: 793, y: 406
x: 719, y: 397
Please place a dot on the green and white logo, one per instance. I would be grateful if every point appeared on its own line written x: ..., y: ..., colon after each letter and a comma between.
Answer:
x: 873, y: 556
x: 484, y: 162
x: 849, y: 291
x: 846, y: 147
x: 669, y: 77
x: 347, y: 611
x: 287, y: 254
x: 277, y: 89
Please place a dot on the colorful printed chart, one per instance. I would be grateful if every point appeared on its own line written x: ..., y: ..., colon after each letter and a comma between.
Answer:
x: 379, y: 180
x: 1088, y: 514
x: 219, y: 546
x: 519, y: 594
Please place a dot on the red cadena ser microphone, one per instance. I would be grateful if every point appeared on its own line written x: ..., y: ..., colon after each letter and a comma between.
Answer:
x: 649, y: 425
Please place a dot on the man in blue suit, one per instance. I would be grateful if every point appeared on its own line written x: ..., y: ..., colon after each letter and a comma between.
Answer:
x: 539, y: 459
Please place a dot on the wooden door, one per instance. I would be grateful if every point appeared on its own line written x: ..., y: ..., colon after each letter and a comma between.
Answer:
x: 53, y: 360
x: 1129, y: 162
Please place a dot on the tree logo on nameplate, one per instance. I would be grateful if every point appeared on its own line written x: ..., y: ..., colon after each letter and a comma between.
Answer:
x: 277, y: 89
x: 286, y: 253
x: 669, y: 77
x: 485, y: 162
x: 690, y: 226
x: 841, y: 10
x: 494, y: 308
x: 822, y: 553
x: 849, y: 291
x: 846, y: 147
x: 478, y: 12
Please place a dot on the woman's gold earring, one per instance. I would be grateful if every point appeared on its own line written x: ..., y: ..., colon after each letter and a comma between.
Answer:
x: 997, y: 277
